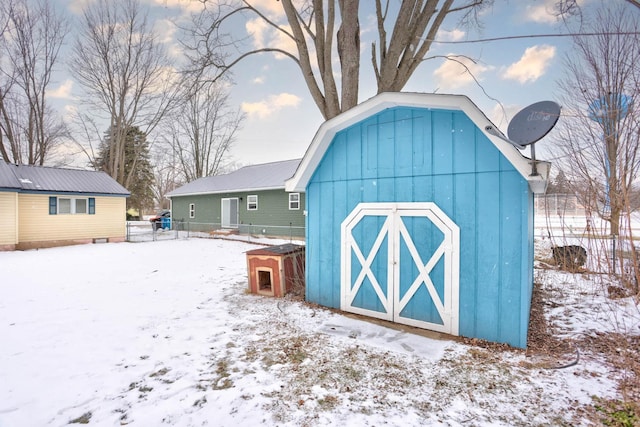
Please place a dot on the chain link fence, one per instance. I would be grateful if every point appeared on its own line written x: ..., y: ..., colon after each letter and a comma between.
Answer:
x: 144, y: 231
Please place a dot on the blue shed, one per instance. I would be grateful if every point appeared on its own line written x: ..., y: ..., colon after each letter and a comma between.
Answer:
x: 417, y: 215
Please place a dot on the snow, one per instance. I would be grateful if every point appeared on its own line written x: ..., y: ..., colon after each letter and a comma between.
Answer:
x: 165, y: 333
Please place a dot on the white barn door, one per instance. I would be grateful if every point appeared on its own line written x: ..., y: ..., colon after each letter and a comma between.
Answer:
x: 400, y: 262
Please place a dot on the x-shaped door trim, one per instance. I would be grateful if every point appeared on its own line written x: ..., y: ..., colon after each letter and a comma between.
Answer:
x: 395, y: 230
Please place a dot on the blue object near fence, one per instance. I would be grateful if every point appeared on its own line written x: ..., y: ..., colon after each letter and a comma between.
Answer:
x: 166, y: 223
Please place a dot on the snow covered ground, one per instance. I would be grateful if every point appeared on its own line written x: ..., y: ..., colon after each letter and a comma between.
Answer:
x: 164, y: 333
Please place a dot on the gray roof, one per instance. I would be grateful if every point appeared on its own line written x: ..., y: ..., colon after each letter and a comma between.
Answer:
x: 7, y: 178
x: 267, y: 176
x: 58, y: 180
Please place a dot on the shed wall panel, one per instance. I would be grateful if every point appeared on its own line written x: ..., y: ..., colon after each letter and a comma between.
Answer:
x: 314, y: 285
x: 464, y: 174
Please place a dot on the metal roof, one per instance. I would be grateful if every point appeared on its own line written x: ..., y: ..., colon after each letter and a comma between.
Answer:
x: 58, y: 180
x: 267, y: 176
x: 7, y: 178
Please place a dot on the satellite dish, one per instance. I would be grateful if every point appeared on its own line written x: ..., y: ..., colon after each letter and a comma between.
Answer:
x: 532, y: 123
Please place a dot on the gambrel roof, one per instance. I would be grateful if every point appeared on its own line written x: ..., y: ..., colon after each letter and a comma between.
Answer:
x: 28, y: 178
x: 267, y: 176
x: 325, y: 134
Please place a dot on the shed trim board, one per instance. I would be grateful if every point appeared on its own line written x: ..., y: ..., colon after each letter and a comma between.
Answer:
x: 326, y: 132
x: 391, y: 290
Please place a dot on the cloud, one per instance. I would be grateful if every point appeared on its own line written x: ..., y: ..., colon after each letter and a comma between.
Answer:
x: 63, y: 91
x: 272, y: 9
x: 541, y: 13
x: 69, y: 112
x: 454, y: 74
x: 165, y: 29
x: 77, y: 6
x: 264, y: 35
x: 271, y: 105
x: 531, y: 65
x: 258, y: 80
x: 544, y: 12
x: 189, y: 6
x: 450, y: 36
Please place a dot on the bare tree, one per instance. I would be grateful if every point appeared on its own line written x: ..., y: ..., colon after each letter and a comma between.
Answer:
x: 30, y: 43
x: 166, y: 177
x: 204, y: 130
x: 572, y: 7
x: 319, y: 29
x: 601, y: 139
x: 598, y: 143
x: 125, y: 72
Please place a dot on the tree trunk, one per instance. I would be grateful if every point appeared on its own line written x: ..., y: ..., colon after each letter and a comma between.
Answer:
x: 349, y: 52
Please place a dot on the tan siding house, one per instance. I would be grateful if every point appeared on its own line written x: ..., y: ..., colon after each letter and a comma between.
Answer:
x: 45, y: 207
x: 8, y: 220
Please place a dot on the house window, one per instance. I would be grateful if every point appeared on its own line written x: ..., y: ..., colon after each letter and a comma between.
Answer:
x: 192, y: 210
x: 252, y: 203
x: 81, y: 206
x: 72, y: 205
x: 294, y: 201
x: 64, y: 206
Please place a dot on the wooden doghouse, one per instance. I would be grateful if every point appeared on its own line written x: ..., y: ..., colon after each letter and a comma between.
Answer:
x: 276, y: 270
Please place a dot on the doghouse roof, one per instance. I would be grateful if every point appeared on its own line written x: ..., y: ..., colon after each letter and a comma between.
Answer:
x: 327, y: 131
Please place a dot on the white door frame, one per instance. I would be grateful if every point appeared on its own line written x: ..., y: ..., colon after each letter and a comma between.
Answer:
x: 225, y: 213
x: 395, y: 231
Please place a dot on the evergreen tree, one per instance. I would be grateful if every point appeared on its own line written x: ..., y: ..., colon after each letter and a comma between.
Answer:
x: 137, y: 165
x: 560, y: 185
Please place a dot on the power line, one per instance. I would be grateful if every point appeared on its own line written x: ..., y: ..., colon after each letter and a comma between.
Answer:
x: 533, y: 36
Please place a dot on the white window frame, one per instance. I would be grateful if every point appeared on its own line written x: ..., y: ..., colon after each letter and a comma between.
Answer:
x: 73, y: 205
x: 192, y: 210
x: 250, y: 202
x: 294, y: 201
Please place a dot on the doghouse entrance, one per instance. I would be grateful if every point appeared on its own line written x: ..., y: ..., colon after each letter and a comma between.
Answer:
x: 265, y: 281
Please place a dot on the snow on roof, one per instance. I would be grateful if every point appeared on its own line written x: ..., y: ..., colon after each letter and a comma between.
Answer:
x: 59, y: 180
x: 324, y: 136
x: 267, y: 176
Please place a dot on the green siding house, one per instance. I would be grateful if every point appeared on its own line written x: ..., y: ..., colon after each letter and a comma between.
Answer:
x: 251, y: 200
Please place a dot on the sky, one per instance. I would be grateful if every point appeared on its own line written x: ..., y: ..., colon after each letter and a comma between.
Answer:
x: 281, y: 117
